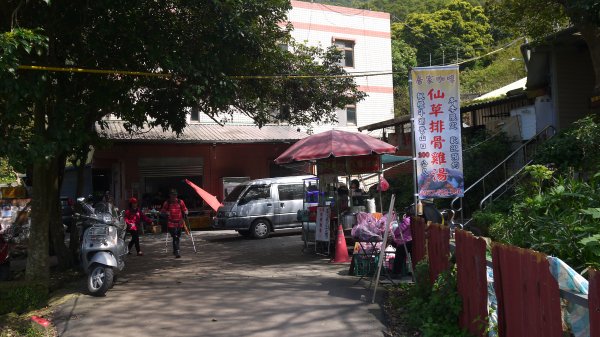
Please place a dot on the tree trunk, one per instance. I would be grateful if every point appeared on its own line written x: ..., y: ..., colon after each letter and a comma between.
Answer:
x: 591, y: 34
x: 38, y: 269
x: 57, y: 231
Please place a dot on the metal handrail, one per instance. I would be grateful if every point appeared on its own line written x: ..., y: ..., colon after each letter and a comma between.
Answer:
x: 491, y: 194
x: 503, y: 162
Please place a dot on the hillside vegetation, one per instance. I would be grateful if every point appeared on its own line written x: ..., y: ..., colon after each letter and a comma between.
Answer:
x: 440, y: 32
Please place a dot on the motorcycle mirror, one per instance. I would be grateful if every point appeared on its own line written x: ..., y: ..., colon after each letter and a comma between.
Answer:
x: 81, y: 199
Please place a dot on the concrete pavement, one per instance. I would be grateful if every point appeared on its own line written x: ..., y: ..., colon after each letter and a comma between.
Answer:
x: 232, y: 287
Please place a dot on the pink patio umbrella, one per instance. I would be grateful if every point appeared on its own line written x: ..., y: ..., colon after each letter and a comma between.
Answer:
x: 334, y: 143
x: 210, y: 199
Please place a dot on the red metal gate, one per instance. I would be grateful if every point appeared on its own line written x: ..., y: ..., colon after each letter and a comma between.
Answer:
x: 528, y: 295
x: 472, y: 282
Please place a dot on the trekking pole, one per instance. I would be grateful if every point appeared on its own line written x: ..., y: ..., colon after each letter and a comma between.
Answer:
x: 166, y: 241
x: 185, y: 224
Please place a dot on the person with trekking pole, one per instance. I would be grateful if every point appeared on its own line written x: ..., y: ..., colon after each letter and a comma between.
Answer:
x: 175, y: 210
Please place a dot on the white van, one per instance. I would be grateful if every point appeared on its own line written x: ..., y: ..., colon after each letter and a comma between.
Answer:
x: 258, y: 207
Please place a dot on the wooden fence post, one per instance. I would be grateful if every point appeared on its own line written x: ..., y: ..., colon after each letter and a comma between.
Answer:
x: 418, y: 229
x: 438, y: 250
x: 527, y: 293
x: 594, y: 303
x: 472, y: 282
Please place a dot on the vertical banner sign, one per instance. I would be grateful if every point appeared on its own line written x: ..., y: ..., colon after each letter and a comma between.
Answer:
x: 437, y: 123
x: 322, y: 225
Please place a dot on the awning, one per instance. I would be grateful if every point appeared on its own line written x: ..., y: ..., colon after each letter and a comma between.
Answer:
x: 391, y: 159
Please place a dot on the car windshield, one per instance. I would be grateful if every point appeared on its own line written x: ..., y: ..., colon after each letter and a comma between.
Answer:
x: 235, y: 193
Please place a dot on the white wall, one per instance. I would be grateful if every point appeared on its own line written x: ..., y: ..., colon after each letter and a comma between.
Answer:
x: 319, y: 25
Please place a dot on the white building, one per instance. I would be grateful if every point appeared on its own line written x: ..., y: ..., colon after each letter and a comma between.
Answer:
x: 365, y: 38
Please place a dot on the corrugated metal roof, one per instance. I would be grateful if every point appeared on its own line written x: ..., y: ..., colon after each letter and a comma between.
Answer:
x: 204, y: 133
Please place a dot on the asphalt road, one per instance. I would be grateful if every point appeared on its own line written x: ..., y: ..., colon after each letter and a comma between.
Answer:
x: 233, y: 286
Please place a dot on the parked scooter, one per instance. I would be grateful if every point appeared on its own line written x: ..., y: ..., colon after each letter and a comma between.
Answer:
x: 103, y: 247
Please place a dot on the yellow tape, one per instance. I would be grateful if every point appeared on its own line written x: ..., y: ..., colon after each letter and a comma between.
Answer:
x: 141, y: 73
x: 93, y: 71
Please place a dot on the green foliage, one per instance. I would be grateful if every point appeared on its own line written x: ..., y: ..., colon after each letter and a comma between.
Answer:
x: 404, y: 57
x: 434, y: 310
x: 19, y: 296
x: 398, y: 9
x: 539, y: 174
x: 544, y: 16
x: 211, y: 50
x: 7, y: 174
x: 483, y: 220
x: 573, y: 148
x: 560, y: 219
x: 206, y: 46
x: 503, y: 68
x: 459, y: 26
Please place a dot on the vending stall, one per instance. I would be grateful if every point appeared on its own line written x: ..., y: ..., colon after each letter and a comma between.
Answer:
x: 332, y: 198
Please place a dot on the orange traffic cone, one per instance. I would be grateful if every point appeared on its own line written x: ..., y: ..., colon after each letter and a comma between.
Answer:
x: 341, y: 251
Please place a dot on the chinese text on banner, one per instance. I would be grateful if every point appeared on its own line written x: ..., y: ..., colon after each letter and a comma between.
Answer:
x: 437, y: 131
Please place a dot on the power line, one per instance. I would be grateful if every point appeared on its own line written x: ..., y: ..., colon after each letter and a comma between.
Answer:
x: 244, y: 77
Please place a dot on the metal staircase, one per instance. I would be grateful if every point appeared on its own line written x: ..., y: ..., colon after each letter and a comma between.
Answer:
x: 508, y: 170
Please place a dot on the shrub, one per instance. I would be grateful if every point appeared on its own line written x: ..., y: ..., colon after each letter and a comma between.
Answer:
x: 434, y: 310
x: 557, y: 217
x: 483, y: 220
x: 575, y: 147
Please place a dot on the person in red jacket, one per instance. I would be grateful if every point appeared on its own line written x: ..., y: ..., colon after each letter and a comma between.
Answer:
x: 133, y: 217
x: 175, y: 210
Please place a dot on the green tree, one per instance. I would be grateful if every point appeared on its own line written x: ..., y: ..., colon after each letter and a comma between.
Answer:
x: 505, y: 67
x: 538, y: 18
x: 209, y: 49
x: 399, y: 10
x: 404, y: 57
x: 7, y: 174
x: 459, y: 27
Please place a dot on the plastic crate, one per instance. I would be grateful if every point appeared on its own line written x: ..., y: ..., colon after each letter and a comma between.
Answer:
x: 365, y: 265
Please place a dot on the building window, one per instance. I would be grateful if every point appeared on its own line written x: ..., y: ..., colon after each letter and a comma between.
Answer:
x: 347, y: 48
x: 195, y: 115
x: 350, y: 115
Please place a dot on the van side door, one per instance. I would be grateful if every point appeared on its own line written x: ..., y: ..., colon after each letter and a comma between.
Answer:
x: 256, y: 202
x: 289, y: 201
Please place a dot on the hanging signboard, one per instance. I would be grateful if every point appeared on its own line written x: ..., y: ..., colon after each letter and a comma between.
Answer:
x: 322, y: 228
x: 437, y: 132
x: 349, y: 165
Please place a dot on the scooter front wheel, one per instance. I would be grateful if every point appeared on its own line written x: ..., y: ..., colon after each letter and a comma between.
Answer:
x: 100, y: 279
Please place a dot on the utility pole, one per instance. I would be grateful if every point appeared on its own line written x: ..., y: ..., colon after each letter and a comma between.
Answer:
x: 457, y: 55
x: 430, y: 59
x: 443, y: 57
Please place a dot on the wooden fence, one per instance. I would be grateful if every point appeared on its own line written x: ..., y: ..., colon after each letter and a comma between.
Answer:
x: 594, y: 303
x: 527, y: 293
x: 419, y: 242
x: 438, y: 250
x: 471, y: 273
x: 528, y: 297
